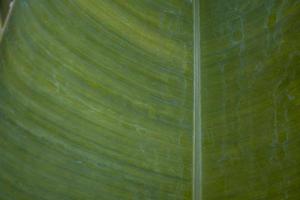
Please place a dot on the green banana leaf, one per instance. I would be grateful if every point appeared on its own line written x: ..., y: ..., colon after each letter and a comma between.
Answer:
x: 250, y: 75
x: 96, y: 100
x: 150, y: 99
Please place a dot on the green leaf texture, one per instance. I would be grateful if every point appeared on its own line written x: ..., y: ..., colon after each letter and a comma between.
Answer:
x: 150, y: 100
x: 250, y: 72
x: 96, y: 100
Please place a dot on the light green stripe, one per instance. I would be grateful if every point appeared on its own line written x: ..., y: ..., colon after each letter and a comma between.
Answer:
x: 197, y: 105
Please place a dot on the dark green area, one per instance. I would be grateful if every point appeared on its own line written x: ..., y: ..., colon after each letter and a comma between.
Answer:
x: 250, y: 61
x: 4, y: 7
